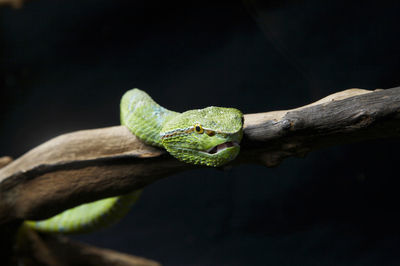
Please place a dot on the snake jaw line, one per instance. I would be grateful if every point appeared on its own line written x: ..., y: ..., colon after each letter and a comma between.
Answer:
x: 223, y: 146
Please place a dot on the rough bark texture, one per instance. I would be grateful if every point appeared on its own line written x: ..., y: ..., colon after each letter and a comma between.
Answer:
x: 347, y: 116
x: 87, y: 165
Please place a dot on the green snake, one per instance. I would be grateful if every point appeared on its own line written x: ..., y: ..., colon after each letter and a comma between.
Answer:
x: 208, y: 136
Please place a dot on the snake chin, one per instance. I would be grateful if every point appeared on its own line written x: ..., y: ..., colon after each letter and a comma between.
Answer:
x: 221, y: 147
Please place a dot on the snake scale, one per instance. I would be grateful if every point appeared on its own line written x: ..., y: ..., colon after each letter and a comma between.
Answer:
x: 208, y: 136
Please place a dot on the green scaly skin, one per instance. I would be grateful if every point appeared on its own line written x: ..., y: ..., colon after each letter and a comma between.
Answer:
x: 208, y: 136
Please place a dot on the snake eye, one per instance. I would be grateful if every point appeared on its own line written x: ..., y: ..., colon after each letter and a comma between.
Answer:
x: 198, y: 128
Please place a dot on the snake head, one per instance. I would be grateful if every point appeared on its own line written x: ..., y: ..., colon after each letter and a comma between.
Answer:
x: 209, y: 136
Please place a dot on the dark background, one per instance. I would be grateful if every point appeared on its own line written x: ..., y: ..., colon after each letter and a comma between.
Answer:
x: 65, y: 64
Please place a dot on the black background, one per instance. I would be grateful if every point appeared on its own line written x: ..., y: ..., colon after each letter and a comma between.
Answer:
x: 65, y: 64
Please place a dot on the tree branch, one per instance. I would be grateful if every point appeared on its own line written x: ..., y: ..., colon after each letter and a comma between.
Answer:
x: 88, y: 165
x: 13, y: 3
x: 47, y: 249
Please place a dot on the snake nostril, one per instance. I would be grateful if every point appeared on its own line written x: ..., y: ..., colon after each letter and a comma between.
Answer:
x: 210, y: 133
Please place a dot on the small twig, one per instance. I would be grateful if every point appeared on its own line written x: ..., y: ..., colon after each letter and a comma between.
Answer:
x: 57, y: 250
x: 13, y: 3
x: 4, y: 161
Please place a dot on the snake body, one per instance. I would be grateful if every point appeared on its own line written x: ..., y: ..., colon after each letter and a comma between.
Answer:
x: 208, y: 136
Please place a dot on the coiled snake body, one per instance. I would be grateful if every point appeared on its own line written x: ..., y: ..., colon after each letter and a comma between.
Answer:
x: 208, y: 136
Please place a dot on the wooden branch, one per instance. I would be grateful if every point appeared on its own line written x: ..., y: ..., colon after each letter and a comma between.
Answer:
x: 4, y: 161
x: 12, y: 3
x: 47, y: 249
x: 349, y: 116
x: 88, y: 165
x: 79, y: 167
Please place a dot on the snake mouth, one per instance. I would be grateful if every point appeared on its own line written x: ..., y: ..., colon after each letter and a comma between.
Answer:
x: 222, y: 147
